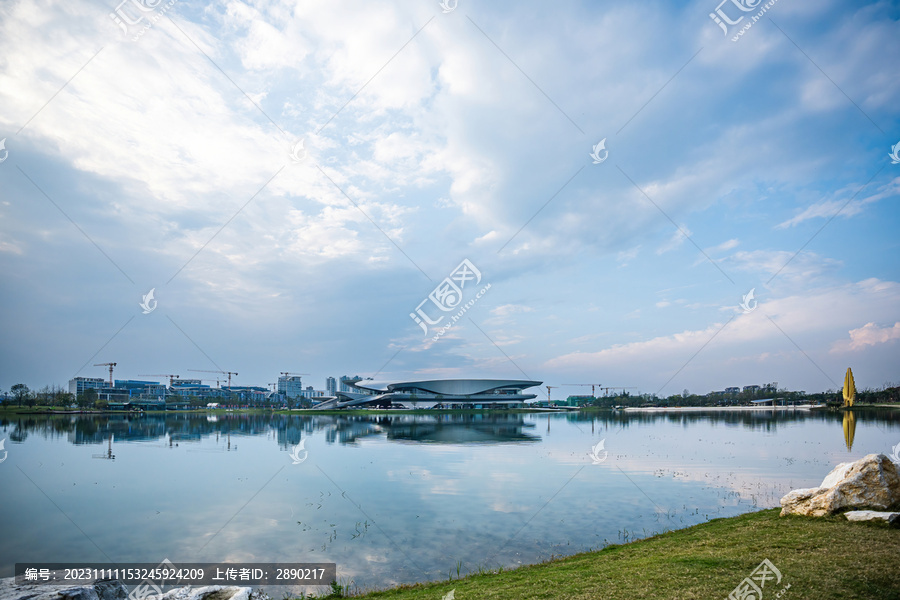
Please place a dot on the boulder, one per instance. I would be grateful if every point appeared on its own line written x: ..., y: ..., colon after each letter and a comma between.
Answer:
x: 870, y: 482
x: 37, y: 590
x: 891, y: 518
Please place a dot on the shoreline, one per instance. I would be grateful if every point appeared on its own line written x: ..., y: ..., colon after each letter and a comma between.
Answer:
x: 718, y: 408
x: 822, y: 557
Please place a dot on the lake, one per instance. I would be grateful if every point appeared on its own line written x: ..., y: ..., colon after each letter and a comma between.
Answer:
x: 399, y: 498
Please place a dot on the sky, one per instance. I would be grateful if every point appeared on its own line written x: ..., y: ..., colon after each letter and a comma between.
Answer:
x: 624, y: 194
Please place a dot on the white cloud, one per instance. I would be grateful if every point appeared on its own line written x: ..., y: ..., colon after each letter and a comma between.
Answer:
x: 844, y: 208
x: 510, y: 309
x: 869, y: 334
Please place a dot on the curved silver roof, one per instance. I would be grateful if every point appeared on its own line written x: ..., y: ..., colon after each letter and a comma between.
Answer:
x: 456, y: 387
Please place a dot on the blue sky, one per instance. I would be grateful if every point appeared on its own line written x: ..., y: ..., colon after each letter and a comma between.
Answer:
x: 429, y: 137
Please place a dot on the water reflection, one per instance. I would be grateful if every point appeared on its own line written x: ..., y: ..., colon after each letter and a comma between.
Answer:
x: 173, y: 429
x: 849, y: 428
x: 447, y: 487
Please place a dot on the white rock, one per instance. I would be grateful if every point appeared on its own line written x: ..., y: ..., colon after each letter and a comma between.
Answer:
x: 871, y: 482
x: 891, y: 518
x: 210, y: 592
x: 38, y: 590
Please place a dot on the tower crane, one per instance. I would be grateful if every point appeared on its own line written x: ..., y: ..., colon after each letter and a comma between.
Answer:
x: 229, y: 373
x: 294, y: 374
x: 593, y: 386
x: 549, y: 387
x: 110, y: 365
x: 171, y: 377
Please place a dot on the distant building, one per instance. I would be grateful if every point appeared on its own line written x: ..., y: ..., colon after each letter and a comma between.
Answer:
x: 449, y: 393
x: 732, y: 390
x: 141, y: 389
x: 194, y: 387
x: 310, y: 393
x: 80, y: 384
x: 579, y: 400
x: 331, y: 386
x: 290, y: 386
x: 251, y: 394
x: 751, y: 388
x: 345, y: 385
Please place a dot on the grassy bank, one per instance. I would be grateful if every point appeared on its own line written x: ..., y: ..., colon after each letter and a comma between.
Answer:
x: 825, y: 558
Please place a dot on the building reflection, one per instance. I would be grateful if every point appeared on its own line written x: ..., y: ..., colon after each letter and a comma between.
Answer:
x: 287, y: 430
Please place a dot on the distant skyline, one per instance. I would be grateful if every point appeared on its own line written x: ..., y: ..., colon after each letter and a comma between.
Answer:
x: 294, y: 181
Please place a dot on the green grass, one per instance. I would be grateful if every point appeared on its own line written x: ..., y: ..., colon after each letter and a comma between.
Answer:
x: 821, y: 558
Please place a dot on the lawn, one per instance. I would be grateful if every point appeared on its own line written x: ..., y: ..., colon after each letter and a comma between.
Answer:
x: 820, y: 558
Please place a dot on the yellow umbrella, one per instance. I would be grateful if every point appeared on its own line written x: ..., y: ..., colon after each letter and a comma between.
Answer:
x: 849, y: 388
x: 849, y: 428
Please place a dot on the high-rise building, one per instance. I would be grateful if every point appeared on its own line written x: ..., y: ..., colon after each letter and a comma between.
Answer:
x: 344, y: 386
x: 290, y: 386
x: 331, y: 386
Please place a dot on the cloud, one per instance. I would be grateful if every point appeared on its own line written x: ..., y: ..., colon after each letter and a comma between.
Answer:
x: 510, y: 309
x: 807, y: 320
x: 678, y: 237
x: 844, y: 208
x: 869, y: 334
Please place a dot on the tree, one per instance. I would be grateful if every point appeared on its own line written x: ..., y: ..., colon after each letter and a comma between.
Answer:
x: 62, y: 398
x: 87, y: 398
x: 20, y: 393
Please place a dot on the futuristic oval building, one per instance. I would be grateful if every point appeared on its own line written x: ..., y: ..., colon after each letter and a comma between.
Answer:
x: 445, y: 393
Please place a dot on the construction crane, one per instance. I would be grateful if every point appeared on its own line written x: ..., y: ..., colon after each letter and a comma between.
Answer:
x: 110, y: 365
x: 593, y: 386
x: 549, y: 387
x: 108, y: 455
x: 229, y: 373
x: 294, y: 374
x: 171, y: 377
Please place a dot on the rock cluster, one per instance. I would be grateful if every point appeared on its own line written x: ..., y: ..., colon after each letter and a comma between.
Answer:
x: 871, y: 482
x: 100, y: 590
x: 111, y: 590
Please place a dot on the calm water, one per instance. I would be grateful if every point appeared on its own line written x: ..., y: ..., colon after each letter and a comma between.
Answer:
x: 400, y: 498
